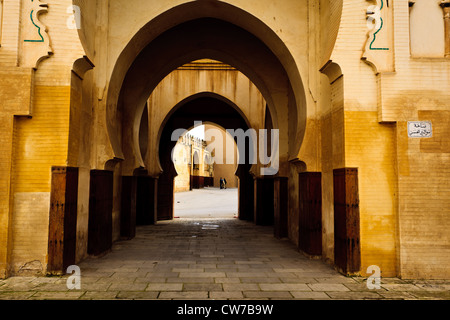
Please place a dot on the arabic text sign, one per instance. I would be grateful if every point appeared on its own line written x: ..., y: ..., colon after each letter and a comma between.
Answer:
x: 420, y: 129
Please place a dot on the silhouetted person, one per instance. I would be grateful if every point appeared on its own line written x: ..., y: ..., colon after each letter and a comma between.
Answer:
x: 221, y: 183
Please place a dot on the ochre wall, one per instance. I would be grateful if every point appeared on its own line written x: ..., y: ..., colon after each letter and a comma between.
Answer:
x: 39, y: 143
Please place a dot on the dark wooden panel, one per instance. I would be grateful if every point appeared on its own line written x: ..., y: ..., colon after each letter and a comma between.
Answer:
x: 62, y: 219
x: 145, y: 203
x: 165, y: 197
x: 310, y: 213
x: 70, y: 217
x: 128, y: 207
x: 346, y: 220
x: 280, y: 189
x: 246, y: 197
x: 264, y: 201
x: 100, y: 212
x: 209, y: 181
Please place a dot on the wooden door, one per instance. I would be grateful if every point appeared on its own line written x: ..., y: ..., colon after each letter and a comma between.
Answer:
x: 346, y: 220
x: 62, y: 219
x: 310, y: 213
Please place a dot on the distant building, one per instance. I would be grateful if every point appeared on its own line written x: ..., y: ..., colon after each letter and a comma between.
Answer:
x: 193, y: 164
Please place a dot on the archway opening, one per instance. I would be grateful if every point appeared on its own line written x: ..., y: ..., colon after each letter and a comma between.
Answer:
x: 211, y: 191
x: 215, y: 113
x: 261, y: 56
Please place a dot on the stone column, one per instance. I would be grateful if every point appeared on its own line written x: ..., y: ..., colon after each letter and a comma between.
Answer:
x: 446, y: 7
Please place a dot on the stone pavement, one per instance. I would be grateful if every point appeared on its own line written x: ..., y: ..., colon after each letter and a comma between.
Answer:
x: 212, y: 259
x: 206, y: 203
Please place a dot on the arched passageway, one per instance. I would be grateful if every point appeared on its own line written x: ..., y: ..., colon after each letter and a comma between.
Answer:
x: 204, y: 109
x: 141, y: 174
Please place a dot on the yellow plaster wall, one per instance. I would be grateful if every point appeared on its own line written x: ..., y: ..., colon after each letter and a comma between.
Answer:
x: 424, y: 203
x: 40, y: 142
x: 371, y: 147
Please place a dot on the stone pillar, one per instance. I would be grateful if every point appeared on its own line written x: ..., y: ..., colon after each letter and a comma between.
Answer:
x: 62, y: 219
x: 446, y: 7
x: 280, y: 207
x: 263, y: 201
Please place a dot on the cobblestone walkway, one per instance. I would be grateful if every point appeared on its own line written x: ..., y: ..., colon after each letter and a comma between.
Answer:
x: 212, y: 259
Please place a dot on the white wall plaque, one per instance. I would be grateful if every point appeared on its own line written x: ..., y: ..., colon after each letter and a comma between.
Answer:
x: 420, y: 129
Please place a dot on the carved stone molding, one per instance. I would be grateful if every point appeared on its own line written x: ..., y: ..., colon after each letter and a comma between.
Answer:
x: 379, y: 48
x: 35, y: 41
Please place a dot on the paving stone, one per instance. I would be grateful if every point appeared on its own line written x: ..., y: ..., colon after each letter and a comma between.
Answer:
x: 202, y: 274
x: 17, y: 295
x: 151, y: 280
x: 328, y: 287
x: 268, y: 294
x: 397, y: 295
x: 165, y: 287
x: 362, y: 295
x: 228, y: 280
x: 400, y: 287
x: 127, y: 286
x: 310, y: 295
x: 226, y: 295
x: 435, y: 295
x: 115, y: 280
x: 260, y: 280
x: 246, y: 275
x: 162, y: 274
x: 241, y: 287
x: 187, y: 270
x: 433, y: 287
x: 133, y: 275
x: 202, y: 287
x: 137, y: 295
x: 226, y: 270
x: 71, y: 295
x: 164, y: 262
x: 97, y: 287
x: 190, y: 280
x: 51, y: 287
x: 297, y: 280
x: 183, y: 295
x: 282, y: 270
x: 336, y: 280
x: 363, y: 287
x: 284, y: 287
x: 204, y: 266
x: 99, y: 295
